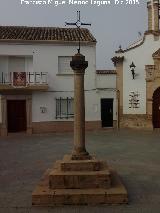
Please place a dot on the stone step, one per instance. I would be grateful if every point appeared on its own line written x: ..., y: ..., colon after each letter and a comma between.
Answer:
x: 79, y: 179
x: 157, y: 130
x: 67, y: 164
x: 44, y: 196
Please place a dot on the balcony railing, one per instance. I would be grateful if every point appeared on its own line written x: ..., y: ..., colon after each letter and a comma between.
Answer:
x: 23, y: 79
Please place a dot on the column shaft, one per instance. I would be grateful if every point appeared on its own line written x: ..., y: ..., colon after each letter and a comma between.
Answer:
x: 78, y: 64
x: 79, y: 114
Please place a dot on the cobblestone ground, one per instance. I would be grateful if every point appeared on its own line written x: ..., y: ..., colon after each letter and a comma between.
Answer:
x: 134, y: 154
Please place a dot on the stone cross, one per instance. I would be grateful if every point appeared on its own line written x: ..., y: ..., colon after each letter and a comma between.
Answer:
x: 78, y: 64
x: 78, y: 24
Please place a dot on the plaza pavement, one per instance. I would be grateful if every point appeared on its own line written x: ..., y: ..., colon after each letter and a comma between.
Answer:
x: 134, y: 154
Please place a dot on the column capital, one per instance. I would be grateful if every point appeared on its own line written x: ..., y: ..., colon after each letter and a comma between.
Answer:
x: 78, y: 63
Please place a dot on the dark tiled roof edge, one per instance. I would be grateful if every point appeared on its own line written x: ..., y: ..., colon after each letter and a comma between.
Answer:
x: 106, y: 72
x: 57, y: 34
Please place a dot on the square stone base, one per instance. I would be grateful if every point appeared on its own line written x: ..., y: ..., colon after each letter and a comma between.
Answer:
x: 85, y: 182
x: 44, y: 196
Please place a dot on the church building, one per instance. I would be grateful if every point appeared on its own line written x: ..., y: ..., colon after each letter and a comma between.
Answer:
x: 138, y: 77
x: 37, y: 84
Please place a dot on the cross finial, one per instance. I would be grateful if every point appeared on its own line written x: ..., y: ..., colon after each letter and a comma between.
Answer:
x: 78, y: 24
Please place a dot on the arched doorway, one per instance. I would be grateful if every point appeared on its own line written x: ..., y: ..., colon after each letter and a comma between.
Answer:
x: 156, y: 109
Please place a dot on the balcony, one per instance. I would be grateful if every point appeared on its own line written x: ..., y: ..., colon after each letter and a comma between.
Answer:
x: 28, y: 81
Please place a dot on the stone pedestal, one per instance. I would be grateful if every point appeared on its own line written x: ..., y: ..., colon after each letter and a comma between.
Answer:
x: 79, y: 182
x: 79, y: 178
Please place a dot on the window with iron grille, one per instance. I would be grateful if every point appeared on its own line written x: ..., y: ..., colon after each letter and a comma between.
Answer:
x: 64, y: 108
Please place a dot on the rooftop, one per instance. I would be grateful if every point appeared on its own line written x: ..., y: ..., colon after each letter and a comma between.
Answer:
x: 53, y: 34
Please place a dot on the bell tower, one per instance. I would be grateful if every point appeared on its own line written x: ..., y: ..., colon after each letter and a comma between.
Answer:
x: 153, y: 15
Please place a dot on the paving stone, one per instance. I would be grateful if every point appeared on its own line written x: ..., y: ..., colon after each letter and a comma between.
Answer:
x: 133, y: 154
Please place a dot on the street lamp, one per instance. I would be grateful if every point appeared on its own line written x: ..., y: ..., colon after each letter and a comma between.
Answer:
x: 132, y: 67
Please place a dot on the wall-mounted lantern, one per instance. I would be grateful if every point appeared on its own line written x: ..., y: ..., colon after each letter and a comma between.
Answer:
x: 132, y: 67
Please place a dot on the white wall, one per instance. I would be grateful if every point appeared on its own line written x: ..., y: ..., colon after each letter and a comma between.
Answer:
x: 106, y: 88
x: 141, y: 56
x: 3, y: 64
x: 111, y: 94
x: 45, y: 59
x: 92, y: 104
x: 106, y: 81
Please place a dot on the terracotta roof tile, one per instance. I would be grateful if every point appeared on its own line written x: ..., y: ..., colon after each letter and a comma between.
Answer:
x: 23, y: 33
x: 106, y: 72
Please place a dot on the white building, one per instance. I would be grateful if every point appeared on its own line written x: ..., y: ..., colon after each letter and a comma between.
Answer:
x: 36, y: 81
x: 139, y: 87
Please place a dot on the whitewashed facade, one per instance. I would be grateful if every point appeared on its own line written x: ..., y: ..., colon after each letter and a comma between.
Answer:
x: 138, y: 106
x: 48, y: 89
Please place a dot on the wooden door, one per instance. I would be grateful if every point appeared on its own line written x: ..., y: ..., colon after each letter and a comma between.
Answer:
x: 16, y: 115
x: 107, y: 112
x: 156, y: 109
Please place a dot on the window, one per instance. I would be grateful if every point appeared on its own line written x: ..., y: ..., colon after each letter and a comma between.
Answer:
x: 64, y: 108
x: 20, y: 64
x: 16, y: 64
x: 64, y: 65
x: 14, y: 69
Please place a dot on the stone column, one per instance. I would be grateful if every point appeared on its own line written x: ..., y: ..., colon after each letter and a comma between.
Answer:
x: 150, y: 18
x: 156, y: 15
x: 78, y: 64
x: 153, y: 15
x: 4, y: 131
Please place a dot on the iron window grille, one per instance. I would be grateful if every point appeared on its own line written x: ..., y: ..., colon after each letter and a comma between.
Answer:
x: 64, y: 108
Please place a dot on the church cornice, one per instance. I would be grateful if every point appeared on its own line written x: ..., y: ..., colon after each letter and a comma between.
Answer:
x: 140, y: 42
x: 135, y: 45
x: 156, y: 54
x: 152, y: 32
x: 117, y: 59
